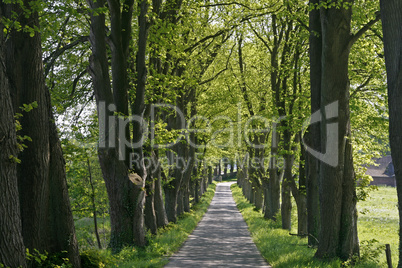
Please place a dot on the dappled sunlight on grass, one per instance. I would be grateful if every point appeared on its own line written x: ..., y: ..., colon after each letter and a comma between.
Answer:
x: 282, y: 250
x: 378, y: 219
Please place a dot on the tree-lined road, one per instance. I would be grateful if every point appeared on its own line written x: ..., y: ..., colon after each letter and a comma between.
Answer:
x: 221, y: 239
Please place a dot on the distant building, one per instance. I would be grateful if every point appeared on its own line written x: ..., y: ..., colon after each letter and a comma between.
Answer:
x: 383, y: 173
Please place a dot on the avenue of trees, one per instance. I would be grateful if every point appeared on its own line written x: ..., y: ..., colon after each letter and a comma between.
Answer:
x: 128, y: 109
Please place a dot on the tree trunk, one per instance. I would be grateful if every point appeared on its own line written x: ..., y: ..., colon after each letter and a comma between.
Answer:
x: 209, y: 174
x: 286, y: 206
x: 272, y: 188
x: 301, y: 197
x: 60, y: 215
x: 258, y: 199
x: 186, y: 196
x: 173, y: 187
x: 391, y: 22
x: 47, y: 222
x: 158, y: 198
x: 196, y: 191
x: 338, y: 236
x: 126, y: 199
x: 93, y: 205
x: 24, y: 65
x: 12, y: 250
x: 138, y: 109
x: 171, y: 203
x: 180, y: 203
x: 176, y: 157
x: 313, y: 164
x: 239, y: 179
x: 150, y: 215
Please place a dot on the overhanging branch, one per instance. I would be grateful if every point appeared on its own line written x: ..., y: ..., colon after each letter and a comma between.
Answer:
x: 364, y: 29
x: 49, y: 61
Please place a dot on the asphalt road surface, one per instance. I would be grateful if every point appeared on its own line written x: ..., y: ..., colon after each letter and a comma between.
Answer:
x: 221, y: 238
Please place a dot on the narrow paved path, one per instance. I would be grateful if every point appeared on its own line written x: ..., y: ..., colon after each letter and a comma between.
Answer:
x: 221, y: 238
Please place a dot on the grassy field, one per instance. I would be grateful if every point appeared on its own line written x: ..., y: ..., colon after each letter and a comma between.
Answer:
x: 379, y: 221
x: 160, y: 247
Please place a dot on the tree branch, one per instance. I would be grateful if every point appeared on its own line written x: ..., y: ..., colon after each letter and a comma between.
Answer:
x: 75, y: 82
x: 366, y: 27
x: 238, y: 4
x: 218, y: 33
x: 260, y: 37
x: 49, y: 61
x: 361, y: 87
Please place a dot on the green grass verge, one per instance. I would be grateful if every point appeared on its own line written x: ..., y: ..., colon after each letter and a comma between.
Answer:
x: 282, y: 250
x: 161, y: 246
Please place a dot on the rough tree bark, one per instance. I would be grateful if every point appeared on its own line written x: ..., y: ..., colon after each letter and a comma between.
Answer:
x: 338, y: 235
x: 209, y: 174
x: 47, y: 223
x: 391, y: 22
x: 313, y: 164
x: 272, y: 188
x: 160, y: 212
x: 12, y: 250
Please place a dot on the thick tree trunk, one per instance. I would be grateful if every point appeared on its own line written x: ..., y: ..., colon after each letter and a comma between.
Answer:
x: 150, y: 215
x: 286, y: 205
x: 338, y: 236
x: 24, y: 66
x: 190, y: 153
x: 138, y: 109
x: 47, y: 223
x: 186, y: 198
x: 205, y: 178
x: 313, y: 140
x: 259, y: 198
x: 300, y: 196
x: 171, y: 203
x: 180, y: 202
x: 202, y: 188
x: 391, y: 22
x: 158, y: 198
x: 196, y: 191
x: 272, y: 188
x: 12, y: 250
x: 240, y: 178
x: 60, y: 217
x: 120, y: 192
x: 172, y: 188
x: 209, y: 174
x: 123, y: 195
x: 302, y: 215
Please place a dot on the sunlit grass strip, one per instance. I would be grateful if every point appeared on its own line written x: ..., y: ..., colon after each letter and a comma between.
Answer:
x: 276, y: 245
x: 167, y: 241
x: 379, y: 220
